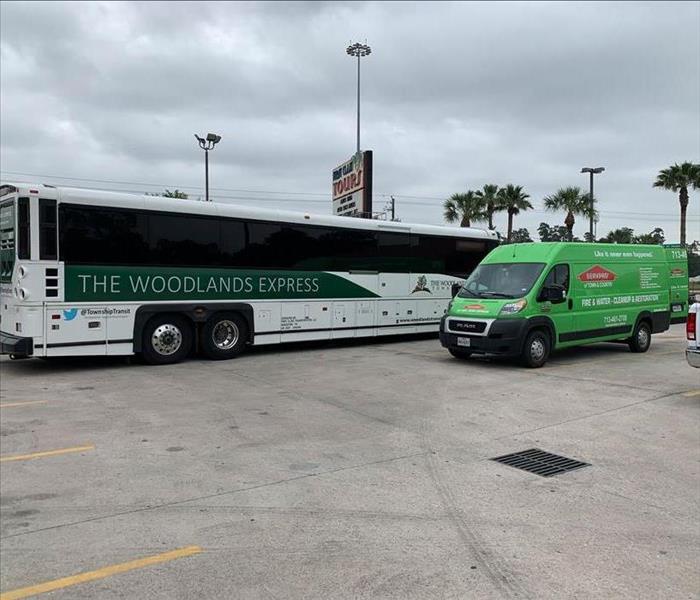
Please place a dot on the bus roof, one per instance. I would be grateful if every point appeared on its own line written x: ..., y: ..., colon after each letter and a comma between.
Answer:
x: 145, y: 202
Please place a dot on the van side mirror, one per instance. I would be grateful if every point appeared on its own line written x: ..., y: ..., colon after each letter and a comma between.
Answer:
x: 455, y: 289
x: 554, y: 293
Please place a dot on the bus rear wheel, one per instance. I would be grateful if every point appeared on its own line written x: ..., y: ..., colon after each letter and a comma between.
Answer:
x: 224, y: 336
x: 167, y: 339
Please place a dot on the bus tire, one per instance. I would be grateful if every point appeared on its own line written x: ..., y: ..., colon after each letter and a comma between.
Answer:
x: 459, y: 353
x: 536, y: 349
x: 641, y: 338
x: 167, y: 339
x: 224, y: 336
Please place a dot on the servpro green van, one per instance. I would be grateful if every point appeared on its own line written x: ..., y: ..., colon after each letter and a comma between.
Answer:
x: 526, y: 300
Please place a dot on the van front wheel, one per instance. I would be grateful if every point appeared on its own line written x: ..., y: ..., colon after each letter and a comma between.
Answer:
x: 641, y: 338
x: 459, y: 353
x: 536, y: 349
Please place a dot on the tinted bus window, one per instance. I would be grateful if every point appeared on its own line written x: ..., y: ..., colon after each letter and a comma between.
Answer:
x: 47, y: 230
x: 102, y: 236
x: 183, y: 240
x: 23, y: 229
x: 232, y: 242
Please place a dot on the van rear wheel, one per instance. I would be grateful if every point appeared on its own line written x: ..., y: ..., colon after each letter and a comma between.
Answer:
x: 641, y: 338
x: 536, y: 349
x: 224, y: 336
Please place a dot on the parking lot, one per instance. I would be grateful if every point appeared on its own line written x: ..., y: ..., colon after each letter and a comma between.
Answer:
x: 352, y: 471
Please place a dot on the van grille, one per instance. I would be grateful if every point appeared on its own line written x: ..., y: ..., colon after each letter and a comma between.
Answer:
x: 467, y: 326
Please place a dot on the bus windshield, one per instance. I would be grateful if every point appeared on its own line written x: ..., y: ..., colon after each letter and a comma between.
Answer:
x: 501, y: 280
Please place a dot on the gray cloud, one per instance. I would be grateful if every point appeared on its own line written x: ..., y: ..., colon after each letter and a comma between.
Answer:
x: 455, y: 95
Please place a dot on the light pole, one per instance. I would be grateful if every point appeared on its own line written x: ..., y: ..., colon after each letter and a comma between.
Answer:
x: 207, y: 144
x: 358, y: 50
x: 592, y: 171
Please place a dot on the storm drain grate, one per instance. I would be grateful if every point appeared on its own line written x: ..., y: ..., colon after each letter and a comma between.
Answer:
x: 540, y: 462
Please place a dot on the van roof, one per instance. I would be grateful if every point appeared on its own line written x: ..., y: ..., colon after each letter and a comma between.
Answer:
x: 548, y: 252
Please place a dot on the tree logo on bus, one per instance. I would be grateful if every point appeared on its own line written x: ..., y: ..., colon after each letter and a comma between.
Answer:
x: 70, y: 314
x: 421, y: 285
x: 596, y: 274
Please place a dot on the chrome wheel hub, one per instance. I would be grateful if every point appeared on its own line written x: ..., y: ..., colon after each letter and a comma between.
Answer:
x: 537, y: 349
x: 225, y: 335
x: 643, y: 337
x: 166, y: 339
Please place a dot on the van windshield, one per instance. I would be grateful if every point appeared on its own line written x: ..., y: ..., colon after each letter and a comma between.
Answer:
x: 501, y: 280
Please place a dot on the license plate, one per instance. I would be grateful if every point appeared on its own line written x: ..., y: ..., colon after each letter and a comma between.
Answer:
x: 464, y: 341
x: 677, y: 307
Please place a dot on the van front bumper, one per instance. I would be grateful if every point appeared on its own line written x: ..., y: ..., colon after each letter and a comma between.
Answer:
x: 505, y: 338
x: 693, y: 357
x: 15, y: 345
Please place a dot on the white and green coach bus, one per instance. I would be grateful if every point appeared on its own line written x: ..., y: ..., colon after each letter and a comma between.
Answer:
x: 87, y: 272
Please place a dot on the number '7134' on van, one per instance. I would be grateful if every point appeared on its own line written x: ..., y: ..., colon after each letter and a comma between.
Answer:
x: 525, y: 300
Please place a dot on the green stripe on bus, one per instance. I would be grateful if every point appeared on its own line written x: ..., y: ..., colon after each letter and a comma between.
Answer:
x: 106, y: 283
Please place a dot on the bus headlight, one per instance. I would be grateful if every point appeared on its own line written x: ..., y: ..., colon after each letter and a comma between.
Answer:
x: 514, y: 307
x: 21, y: 272
x: 22, y: 293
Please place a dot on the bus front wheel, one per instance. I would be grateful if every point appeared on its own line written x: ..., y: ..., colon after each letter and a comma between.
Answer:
x: 167, y: 339
x: 224, y: 336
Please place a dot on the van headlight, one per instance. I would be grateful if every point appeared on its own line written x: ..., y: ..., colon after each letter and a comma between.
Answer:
x: 514, y: 307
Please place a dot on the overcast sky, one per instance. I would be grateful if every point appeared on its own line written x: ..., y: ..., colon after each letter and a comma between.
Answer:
x: 454, y: 96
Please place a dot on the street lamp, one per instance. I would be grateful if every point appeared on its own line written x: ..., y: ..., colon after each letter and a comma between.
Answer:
x: 592, y: 171
x: 207, y: 144
x: 358, y: 50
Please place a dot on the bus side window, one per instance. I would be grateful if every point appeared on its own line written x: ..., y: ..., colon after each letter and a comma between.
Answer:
x: 23, y: 230
x: 47, y: 229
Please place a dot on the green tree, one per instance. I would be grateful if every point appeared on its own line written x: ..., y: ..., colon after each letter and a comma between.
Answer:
x: 489, y: 198
x: 512, y: 199
x: 694, y: 259
x: 552, y: 233
x: 175, y: 194
x: 519, y: 236
x: 573, y: 202
x: 624, y: 235
x: 656, y: 236
x: 171, y: 194
x: 464, y: 208
x: 678, y: 178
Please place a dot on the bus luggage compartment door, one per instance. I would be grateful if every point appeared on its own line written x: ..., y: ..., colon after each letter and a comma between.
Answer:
x: 343, y: 320
x: 72, y: 331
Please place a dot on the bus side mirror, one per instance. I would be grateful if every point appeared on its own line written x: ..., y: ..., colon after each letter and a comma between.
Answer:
x: 455, y: 289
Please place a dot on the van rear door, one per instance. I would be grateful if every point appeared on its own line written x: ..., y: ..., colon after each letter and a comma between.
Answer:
x: 677, y: 259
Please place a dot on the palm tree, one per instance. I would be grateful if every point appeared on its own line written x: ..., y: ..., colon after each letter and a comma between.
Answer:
x: 464, y: 208
x: 573, y: 202
x: 489, y: 197
x: 679, y: 178
x: 512, y: 199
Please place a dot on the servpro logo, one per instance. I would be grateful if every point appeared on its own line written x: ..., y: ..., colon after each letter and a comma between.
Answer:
x: 676, y: 272
x: 597, y: 273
